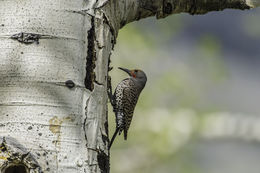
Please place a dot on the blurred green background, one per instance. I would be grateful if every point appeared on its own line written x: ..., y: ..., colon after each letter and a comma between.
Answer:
x: 199, y: 111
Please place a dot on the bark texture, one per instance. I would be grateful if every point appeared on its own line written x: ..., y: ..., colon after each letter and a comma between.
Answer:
x: 54, y: 70
x: 54, y: 58
x: 121, y: 12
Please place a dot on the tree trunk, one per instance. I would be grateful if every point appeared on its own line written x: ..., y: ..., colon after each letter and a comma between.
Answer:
x: 54, y: 70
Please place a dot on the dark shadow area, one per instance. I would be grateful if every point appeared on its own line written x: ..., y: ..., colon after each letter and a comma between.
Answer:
x: 15, y: 169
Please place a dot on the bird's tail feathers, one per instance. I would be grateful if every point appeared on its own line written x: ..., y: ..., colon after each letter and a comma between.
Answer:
x: 125, y: 134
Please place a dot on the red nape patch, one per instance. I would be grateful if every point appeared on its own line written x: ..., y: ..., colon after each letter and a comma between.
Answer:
x: 133, y: 74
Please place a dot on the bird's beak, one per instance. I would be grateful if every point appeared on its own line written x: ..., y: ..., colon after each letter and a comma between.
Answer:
x: 125, y: 70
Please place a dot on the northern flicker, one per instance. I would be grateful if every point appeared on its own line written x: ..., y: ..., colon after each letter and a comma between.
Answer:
x: 125, y: 98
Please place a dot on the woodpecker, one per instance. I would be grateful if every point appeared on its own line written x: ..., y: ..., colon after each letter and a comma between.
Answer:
x: 124, y: 100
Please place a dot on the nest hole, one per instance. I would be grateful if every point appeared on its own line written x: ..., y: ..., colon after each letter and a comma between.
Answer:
x: 15, y: 169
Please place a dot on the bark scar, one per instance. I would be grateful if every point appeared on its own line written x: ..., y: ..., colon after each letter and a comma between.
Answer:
x: 26, y: 38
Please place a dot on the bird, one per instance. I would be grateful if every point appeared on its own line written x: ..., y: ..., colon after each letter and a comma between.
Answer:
x: 125, y: 99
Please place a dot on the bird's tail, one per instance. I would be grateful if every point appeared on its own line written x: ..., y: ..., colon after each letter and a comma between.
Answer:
x: 125, y: 134
x: 113, y: 138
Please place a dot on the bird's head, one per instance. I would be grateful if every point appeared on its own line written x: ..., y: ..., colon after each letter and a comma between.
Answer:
x: 136, y: 74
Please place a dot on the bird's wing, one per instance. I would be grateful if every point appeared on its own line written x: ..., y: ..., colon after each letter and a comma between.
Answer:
x: 119, y: 108
x: 118, y: 95
x: 130, y: 97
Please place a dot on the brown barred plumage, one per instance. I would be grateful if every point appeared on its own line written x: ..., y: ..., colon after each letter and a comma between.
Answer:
x: 125, y: 98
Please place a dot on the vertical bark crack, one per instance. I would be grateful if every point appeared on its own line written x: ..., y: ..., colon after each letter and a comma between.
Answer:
x: 85, y: 120
x: 91, y: 57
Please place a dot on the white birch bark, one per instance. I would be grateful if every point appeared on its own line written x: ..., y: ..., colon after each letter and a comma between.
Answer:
x: 53, y: 70
x: 61, y: 127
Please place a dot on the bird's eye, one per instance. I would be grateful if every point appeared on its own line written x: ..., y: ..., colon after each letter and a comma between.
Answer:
x: 136, y: 71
